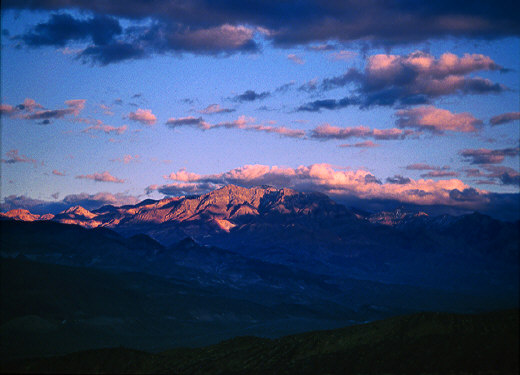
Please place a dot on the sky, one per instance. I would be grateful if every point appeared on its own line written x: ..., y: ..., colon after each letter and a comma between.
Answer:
x: 401, y: 102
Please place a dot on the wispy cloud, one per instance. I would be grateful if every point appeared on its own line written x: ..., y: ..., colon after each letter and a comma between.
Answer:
x: 101, y: 177
x: 327, y: 131
x: 215, y: 108
x: 487, y: 156
x: 14, y: 157
x: 251, y: 96
x: 242, y: 123
x: 505, y: 118
x: 295, y: 59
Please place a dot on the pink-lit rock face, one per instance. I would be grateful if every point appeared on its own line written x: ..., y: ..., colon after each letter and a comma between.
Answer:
x: 221, y: 207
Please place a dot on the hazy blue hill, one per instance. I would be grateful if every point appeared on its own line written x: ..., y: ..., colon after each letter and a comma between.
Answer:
x: 425, y: 343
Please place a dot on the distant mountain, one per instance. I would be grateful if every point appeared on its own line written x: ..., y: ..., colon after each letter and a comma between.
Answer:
x: 426, y: 343
x: 313, y: 233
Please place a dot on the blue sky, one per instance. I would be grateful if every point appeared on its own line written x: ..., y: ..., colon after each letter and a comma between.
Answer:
x: 122, y: 92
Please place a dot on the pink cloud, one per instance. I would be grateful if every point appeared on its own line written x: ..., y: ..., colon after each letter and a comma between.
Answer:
x: 436, y: 119
x: 58, y: 173
x: 224, y: 37
x: 128, y: 159
x: 324, y: 178
x: 295, y: 59
x: 31, y: 110
x: 144, y: 116
x: 14, y: 157
x: 107, y: 129
x: 101, y: 177
x: 343, y: 55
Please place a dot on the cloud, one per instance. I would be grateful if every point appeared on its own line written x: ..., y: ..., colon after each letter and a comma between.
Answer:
x: 101, y: 177
x: 425, y: 167
x: 243, y: 123
x: 62, y: 28
x: 505, y: 118
x: 437, y: 120
x: 309, y: 86
x: 326, y: 132
x: 31, y: 110
x: 215, y: 108
x: 107, y: 129
x: 496, y: 174
x: 58, y: 173
x: 128, y: 159
x: 416, y: 78
x: 197, y: 122
x: 324, y: 178
x: 209, y: 27
x: 285, y: 87
x: 88, y: 201
x: 398, y: 179
x: 144, y: 116
x: 295, y: 59
x: 251, y: 96
x: 487, y: 156
x: 437, y: 174
x: 14, y: 157
x: 343, y: 55
x: 364, y: 144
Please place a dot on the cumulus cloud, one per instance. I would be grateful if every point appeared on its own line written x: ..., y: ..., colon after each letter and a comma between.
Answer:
x: 416, y: 78
x: 143, y: 116
x: 101, y: 177
x: 487, y: 156
x: 324, y: 178
x: 215, y: 108
x: 505, y: 118
x: 14, y: 157
x: 438, y: 120
x: 327, y: 131
x: 251, y: 96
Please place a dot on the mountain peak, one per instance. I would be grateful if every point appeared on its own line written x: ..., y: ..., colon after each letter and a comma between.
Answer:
x: 79, y: 211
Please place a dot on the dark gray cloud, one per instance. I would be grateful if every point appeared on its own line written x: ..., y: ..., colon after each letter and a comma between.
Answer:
x: 487, y: 156
x: 505, y: 118
x: 251, y: 96
x: 398, y: 179
x: 313, y: 21
x: 61, y: 29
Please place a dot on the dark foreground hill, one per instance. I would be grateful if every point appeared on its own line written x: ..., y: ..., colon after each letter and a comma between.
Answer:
x: 424, y: 343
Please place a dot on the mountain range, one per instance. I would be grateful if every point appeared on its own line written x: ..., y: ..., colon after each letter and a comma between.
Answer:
x: 195, y: 270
